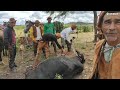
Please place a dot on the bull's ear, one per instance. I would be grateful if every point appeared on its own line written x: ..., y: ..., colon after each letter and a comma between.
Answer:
x: 73, y: 37
x: 71, y: 40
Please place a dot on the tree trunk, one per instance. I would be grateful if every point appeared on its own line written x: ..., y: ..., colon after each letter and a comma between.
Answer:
x: 95, y: 23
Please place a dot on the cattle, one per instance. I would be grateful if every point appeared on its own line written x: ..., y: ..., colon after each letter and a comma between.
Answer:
x: 1, y: 43
x: 68, y: 68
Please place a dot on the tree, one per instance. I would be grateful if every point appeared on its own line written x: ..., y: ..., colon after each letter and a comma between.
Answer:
x: 64, y: 13
x: 95, y: 23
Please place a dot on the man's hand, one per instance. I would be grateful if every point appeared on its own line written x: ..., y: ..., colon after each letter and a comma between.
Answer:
x: 10, y: 47
x: 35, y: 41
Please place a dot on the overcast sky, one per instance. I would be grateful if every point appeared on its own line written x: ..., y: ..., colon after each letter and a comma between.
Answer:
x: 21, y: 16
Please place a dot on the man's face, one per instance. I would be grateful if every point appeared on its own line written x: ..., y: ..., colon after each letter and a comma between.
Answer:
x: 49, y: 20
x: 37, y: 24
x: 12, y: 23
x: 111, y: 27
x: 58, y: 37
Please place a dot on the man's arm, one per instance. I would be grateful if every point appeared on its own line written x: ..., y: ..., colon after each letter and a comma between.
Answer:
x: 58, y: 45
x: 42, y: 29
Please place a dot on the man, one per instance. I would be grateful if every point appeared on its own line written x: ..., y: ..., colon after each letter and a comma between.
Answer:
x: 10, y: 41
x: 50, y: 28
x: 59, y: 26
x: 36, y: 32
x: 65, y: 34
x: 107, y: 51
x: 100, y: 34
x: 44, y: 44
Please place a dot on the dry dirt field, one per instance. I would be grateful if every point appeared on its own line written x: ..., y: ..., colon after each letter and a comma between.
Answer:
x: 83, y: 43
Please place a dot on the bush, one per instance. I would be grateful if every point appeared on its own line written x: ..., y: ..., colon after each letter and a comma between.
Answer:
x: 66, y: 26
x: 86, y: 29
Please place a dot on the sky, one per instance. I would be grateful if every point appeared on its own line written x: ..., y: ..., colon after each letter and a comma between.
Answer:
x: 21, y: 16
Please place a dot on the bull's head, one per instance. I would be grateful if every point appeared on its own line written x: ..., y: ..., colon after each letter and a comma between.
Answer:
x: 80, y: 57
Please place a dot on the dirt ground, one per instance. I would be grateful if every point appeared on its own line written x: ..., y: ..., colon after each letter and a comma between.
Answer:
x: 83, y: 43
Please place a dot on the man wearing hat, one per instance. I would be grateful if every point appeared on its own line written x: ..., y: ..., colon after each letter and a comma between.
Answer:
x: 107, y: 51
x: 36, y: 32
x: 10, y: 41
x: 65, y: 34
x: 49, y: 28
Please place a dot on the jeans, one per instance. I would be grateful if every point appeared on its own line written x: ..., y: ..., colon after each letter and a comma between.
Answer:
x: 68, y: 45
x: 12, y: 55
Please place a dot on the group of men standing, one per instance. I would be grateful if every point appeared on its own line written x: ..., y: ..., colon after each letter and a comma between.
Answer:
x: 41, y: 35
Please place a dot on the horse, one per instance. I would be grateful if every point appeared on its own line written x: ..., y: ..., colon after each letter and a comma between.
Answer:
x: 28, y: 24
x: 1, y: 42
x: 5, y: 48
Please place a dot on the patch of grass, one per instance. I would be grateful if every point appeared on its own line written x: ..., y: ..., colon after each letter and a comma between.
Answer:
x: 83, y: 47
x: 58, y: 76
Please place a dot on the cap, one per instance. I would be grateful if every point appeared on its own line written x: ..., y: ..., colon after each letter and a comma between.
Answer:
x: 37, y: 21
x: 12, y: 20
x: 73, y: 26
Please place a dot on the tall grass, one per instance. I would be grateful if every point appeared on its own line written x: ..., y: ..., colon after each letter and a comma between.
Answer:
x: 81, y: 28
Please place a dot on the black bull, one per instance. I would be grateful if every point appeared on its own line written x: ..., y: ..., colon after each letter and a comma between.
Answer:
x: 66, y: 67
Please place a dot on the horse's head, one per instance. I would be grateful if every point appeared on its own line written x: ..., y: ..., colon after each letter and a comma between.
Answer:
x: 28, y: 24
x: 5, y: 24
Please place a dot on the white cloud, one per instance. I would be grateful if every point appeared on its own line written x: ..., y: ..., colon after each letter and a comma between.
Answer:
x: 21, y: 16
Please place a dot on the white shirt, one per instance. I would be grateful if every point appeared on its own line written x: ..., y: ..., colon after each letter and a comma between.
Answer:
x: 66, y: 33
x: 38, y: 34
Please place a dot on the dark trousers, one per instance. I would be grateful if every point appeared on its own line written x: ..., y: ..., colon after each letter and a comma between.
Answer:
x: 12, y: 55
x: 35, y: 45
x: 54, y: 46
x: 68, y: 45
x: 63, y: 42
x: 0, y: 54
